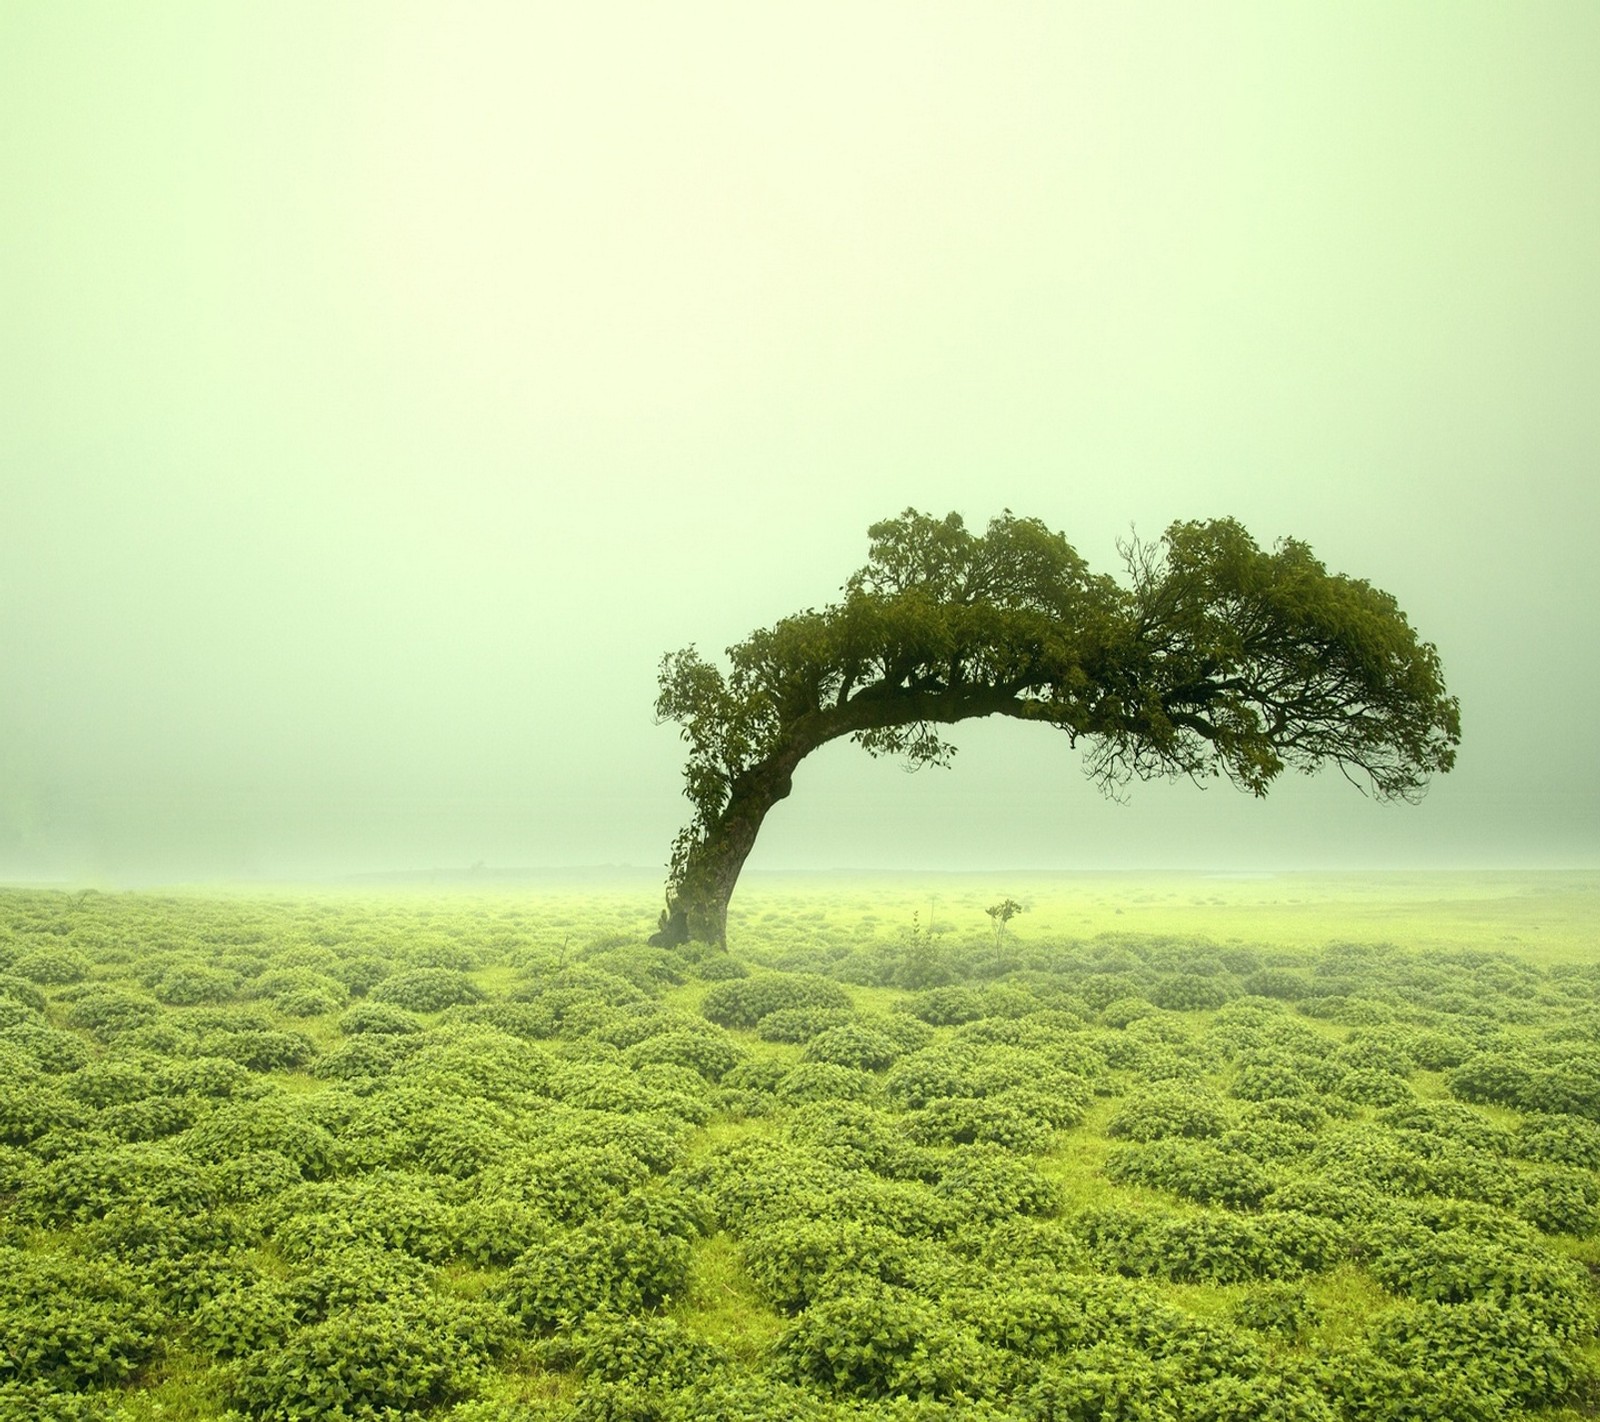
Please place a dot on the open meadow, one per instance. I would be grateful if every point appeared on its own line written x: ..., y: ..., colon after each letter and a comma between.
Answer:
x: 1176, y: 1148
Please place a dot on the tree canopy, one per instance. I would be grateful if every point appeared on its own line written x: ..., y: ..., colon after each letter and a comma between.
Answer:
x: 1212, y: 657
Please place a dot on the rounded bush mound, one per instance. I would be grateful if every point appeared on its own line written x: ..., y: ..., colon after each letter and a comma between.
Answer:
x: 648, y: 1351
x: 1214, y: 1246
x: 801, y: 1024
x: 743, y: 1002
x: 1191, y: 992
x: 21, y: 992
x: 1281, y: 1311
x: 1156, y: 1113
x: 986, y: 1183
x: 191, y: 984
x: 877, y: 1340
x: 30, y: 1110
x: 1435, y: 1125
x: 1372, y: 1087
x: 427, y: 989
x: 947, y: 1006
x: 106, y: 1011
x: 1197, y: 1170
x: 44, y: 1048
x: 238, y: 1128
x: 259, y: 1049
x: 387, y: 1210
x: 991, y: 1119
x: 113, y: 1080
x: 1504, y: 1358
x: 51, y: 967
x: 362, y: 1362
x: 709, y: 1053
x: 856, y: 1135
x: 1283, y: 984
x: 379, y: 1019
x: 568, y: 1183
x: 72, y: 1323
x: 610, y: 1265
x: 85, y: 1184
x: 795, y: 1263
x: 853, y: 1044
x: 933, y: 1074
x: 1560, y: 1140
x: 826, y: 1081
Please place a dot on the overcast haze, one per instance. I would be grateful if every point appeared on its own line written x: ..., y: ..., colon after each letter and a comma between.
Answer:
x: 385, y: 387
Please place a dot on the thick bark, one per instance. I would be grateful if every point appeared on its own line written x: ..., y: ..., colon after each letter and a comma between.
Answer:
x: 697, y: 905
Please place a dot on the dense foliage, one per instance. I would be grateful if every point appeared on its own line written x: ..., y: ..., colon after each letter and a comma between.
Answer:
x: 284, y: 1160
x: 1217, y: 658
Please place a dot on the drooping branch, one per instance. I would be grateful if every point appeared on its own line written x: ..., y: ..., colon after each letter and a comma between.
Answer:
x: 1215, y: 657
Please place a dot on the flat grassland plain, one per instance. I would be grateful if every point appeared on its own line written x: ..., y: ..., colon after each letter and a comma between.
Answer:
x: 1158, y: 1147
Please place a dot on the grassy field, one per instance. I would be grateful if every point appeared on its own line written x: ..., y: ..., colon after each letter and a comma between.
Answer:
x: 1162, y: 1148
x: 1551, y: 916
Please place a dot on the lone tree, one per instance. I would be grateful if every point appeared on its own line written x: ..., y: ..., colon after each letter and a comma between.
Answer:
x: 1216, y: 657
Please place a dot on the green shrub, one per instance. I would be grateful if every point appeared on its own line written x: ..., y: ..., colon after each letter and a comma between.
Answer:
x: 193, y: 983
x: 985, y: 1183
x: 853, y: 1044
x: 1560, y: 1140
x: 743, y: 1002
x: 85, y: 1184
x: 965, y: 1120
x: 73, y: 1323
x: 1456, y: 1266
x: 1171, y: 1110
x: 30, y: 1110
x: 1190, y: 992
x: 426, y: 989
x: 797, y: 1262
x: 379, y: 1019
x: 947, y: 1006
x: 826, y: 1081
x: 259, y: 1049
x: 1373, y: 1088
x: 51, y: 967
x: 568, y: 1182
x: 856, y: 1136
x: 1282, y: 1312
x: 876, y: 1340
x: 1505, y: 1356
x: 238, y: 1128
x: 1493, y: 1077
x: 357, y: 1363
x: 22, y: 992
x: 106, y: 1010
x: 709, y: 1053
x: 648, y: 1351
x: 1198, y: 1170
x: 247, y: 1318
x: 213, y: 1078
x: 1558, y: 1200
x: 387, y: 1210
x: 371, y: 1055
x: 610, y: 1265
x: 1214, y: 1246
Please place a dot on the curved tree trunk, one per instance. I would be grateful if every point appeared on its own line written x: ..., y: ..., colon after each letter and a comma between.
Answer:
x: 697, y: 905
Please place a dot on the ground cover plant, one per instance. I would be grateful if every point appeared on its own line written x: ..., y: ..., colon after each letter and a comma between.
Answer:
x: 495, y: 1159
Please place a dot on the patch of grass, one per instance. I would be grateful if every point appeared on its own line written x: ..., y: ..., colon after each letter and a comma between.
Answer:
x: 720, y: 1303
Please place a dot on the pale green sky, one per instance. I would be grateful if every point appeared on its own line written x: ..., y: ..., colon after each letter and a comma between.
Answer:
x: 386, y: 386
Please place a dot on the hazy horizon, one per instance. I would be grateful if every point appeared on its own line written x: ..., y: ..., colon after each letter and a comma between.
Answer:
x: 387, y: 388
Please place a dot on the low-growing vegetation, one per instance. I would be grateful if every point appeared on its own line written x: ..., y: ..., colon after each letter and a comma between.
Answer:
x: 487, y: 1160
